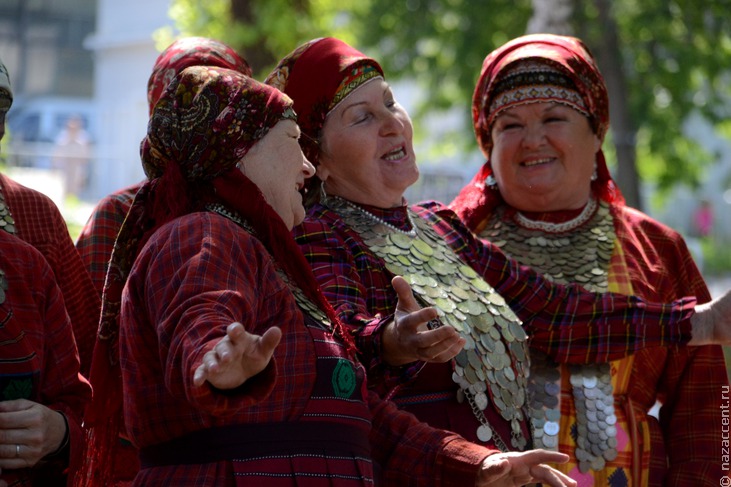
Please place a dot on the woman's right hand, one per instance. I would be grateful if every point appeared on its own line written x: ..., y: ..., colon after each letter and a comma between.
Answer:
x: 407, y: 339
x: 236, y: 357
x: 711, y: 323
x: 520, y: 468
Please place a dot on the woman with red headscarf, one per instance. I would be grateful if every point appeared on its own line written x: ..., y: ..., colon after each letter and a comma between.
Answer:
x: 235, y: 369
x: 96, y: 240
x: 359, y: 233
x: 545, y: 196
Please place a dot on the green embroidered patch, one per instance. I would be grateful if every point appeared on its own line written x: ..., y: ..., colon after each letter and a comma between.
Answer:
x: 343, y: 379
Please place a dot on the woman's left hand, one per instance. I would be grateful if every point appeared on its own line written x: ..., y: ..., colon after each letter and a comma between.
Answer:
x: 237, y: 357
x: 28, y: 432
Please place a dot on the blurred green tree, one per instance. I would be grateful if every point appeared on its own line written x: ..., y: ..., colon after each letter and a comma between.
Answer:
x: 663, y: 60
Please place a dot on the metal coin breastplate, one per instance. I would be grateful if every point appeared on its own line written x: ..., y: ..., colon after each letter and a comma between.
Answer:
x: 581, y: 256
x: 494, y: 363
x: 6, y: 219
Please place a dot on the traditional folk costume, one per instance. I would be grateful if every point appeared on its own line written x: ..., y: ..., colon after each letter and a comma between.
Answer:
x: 598, y: 414
x: 356, y: 250
x: 196, y: 261
x: 34, y: 218
x: 96, y: 240
x: 38, y: 358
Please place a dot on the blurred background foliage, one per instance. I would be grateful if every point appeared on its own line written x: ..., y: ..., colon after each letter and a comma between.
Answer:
x: 663, y: 60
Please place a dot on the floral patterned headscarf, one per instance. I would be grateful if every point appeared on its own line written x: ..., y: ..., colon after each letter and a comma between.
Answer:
x: 204, y: 123
x: 318, y: 75
x: 206, y: 120
x: 187, y: 52
x: 570, y: 67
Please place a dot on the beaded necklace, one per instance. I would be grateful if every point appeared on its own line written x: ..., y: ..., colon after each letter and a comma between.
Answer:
x: 550, y: 227
x: 6, y: 219
x: 380, y: 221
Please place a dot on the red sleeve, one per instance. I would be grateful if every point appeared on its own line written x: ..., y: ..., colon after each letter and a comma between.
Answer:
x: 413, y: 453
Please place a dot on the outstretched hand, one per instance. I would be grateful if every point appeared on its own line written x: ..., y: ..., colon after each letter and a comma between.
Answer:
x: 711, y: 324
x: 407, y: 338
x: 520, y: 468
x: 237, y: 357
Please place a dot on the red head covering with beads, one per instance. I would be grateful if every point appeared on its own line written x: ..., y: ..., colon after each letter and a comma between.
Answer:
x: 187, y: 52
x: 529, y: 69
x: 318, y: 75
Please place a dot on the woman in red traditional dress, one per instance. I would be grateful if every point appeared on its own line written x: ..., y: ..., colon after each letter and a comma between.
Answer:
x: 545, y: 196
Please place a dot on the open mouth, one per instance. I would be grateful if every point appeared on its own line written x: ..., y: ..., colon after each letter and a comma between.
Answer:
x: 536, y: 162
x: 396, y: 154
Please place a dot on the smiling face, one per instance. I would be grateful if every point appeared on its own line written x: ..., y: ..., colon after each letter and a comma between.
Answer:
x: 543, y: 156
x: 367, y: 155
x: 278, y: 167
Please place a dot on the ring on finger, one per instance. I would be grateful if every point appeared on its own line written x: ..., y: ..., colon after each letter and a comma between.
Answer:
x: 17, y: 450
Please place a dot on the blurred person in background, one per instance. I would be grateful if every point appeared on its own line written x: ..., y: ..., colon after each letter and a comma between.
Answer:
x: 96, y: 240
x: 71, y: 155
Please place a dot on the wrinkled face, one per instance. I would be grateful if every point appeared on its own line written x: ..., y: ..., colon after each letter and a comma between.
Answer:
x: 278, y: 167
x: 367, y: 155
x: 543, y: 156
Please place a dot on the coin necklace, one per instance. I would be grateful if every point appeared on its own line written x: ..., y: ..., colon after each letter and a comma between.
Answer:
x: 582, y: 257
x: 492, y: 367
x: 299, y: 296
x: 6, y: 219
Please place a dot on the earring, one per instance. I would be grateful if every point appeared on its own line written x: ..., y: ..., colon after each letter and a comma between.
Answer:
x: 323, y: 194
x: 594, y: 175
x: 491, y: 182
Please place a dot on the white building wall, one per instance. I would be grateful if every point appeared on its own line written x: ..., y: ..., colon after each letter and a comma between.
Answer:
x: 124, y: 55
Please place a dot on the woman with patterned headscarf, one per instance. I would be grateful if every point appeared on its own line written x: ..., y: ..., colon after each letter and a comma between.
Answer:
x: 359, y: 233
x: 96, y: 240
x: 235, y: 369
x: 545, y: 196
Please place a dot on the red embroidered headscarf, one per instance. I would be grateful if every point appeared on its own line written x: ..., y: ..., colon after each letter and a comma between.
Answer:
x: 560, y: 68
x: 206, y: 120
x: 187, y: 52
x: 318, y: 75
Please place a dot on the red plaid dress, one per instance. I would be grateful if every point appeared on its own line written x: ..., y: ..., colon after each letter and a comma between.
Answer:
x: 195, y: 276
x: 38, y: 222
x: 96, y: 240
x: 38, y: 359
